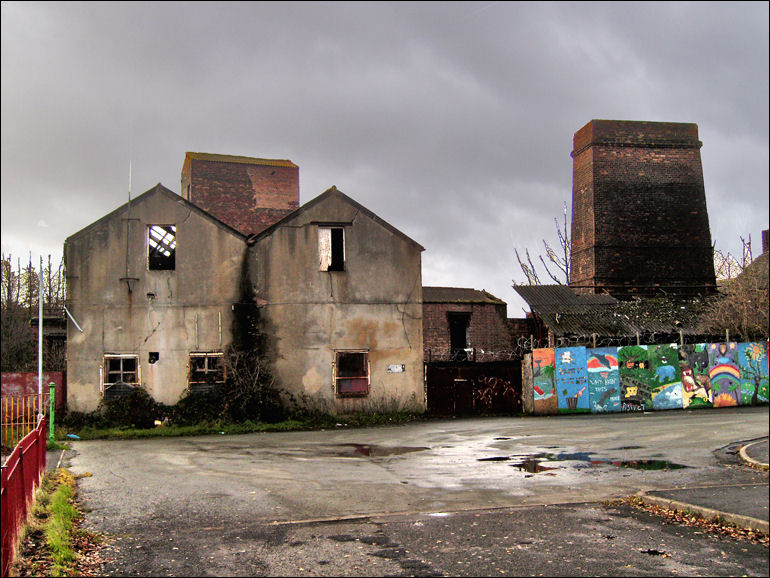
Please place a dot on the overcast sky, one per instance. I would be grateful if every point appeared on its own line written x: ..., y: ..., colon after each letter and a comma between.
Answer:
x: 451, y: 121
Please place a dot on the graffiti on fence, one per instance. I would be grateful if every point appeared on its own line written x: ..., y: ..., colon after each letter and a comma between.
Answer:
x: 694, y: 373
x: 603, y: 379
x: 544, y: 381
x: 571, y: 379
x: 635, y: 378
x: 666, y: 389
x: 725, y: 374
x: 488, y: 388
x: 752, y: 361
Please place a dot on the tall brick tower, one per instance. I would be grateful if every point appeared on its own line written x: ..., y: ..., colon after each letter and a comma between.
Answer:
x: 249, y: 194
x: 639, y: 220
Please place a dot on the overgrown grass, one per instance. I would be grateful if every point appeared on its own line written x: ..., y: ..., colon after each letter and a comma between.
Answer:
x: 316, y: 422
x: 46, y: 543
x: 59, y: 526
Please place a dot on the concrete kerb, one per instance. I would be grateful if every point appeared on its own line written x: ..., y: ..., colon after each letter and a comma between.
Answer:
x: 707, y: 513
x: 751, y: 461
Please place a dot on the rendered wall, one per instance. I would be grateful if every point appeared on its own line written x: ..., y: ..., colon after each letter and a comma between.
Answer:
x: 124, y: 308
x: 375, y: 304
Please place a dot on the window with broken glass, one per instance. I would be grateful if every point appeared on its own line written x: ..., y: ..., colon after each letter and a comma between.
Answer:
x: 161, y: 247
x: 206, y: 371
x: 351, y: 373
x: 121, y: 374
x: 331, y: 248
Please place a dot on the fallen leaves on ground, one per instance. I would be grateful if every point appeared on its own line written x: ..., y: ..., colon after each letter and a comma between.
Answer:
x: 686, y: 518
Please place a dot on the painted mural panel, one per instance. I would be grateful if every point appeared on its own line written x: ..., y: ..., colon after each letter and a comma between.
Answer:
x: 694, y: 373
x: 603, y: 379
x: 635, y: 378
x: 666, y: 386
x: 752, y: 360
x: 544, y: 382
x: 572, y: 380
x: 725, y: 374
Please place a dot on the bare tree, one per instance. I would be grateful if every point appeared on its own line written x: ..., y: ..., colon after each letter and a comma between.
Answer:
x: 558, y: 259
x: 19, y: 288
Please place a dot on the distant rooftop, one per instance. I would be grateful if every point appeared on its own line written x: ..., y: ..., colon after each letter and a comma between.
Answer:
x: 458, y: 295
x: 566, y: 313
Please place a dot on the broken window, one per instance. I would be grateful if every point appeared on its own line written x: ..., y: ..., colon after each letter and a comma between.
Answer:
x: 331, y: 248
x: 459, y: 339
x: 121, y: 375
x: 161, y: 247
x: 351, y: 373
x: 205, y: 372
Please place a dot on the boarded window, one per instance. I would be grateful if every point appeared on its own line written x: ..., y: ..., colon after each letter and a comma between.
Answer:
x: 161, y: 247
x: 351, y: 371
x: 121, y: 375
x: 331, y: 248
x: 205, y: 372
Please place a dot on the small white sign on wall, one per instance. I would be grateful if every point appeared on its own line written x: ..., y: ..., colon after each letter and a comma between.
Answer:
x: 396, y: 368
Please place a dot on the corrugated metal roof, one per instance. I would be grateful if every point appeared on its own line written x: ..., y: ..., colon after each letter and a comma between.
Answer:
x: 239, y: 159
x: 458, y: 295
x: 567, y: 313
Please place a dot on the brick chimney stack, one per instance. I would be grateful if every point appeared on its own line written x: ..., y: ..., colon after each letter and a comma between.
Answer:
x: 639, y: 220
x: 249, y: 194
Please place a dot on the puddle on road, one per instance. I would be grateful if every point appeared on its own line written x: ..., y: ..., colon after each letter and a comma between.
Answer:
x: 535, y: 463
x: 375, y: 451
x: 532, y: 466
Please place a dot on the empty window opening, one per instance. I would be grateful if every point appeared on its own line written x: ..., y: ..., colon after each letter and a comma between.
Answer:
x: 459, y: 338
x: 331, y: 248
x: 121, y: 375
x: 205, y: 372
x: 351, y: 373
x: 161, y: 247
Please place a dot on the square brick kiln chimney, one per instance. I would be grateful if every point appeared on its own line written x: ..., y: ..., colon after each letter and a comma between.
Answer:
x: 639, y: 220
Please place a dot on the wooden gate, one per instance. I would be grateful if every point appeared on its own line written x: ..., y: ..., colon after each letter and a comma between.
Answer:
x: 474, y: 388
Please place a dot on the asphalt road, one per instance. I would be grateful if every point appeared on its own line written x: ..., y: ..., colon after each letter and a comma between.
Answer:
x: 501, y: 496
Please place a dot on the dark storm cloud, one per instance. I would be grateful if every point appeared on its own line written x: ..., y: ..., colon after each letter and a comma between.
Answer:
x: 452, y: 121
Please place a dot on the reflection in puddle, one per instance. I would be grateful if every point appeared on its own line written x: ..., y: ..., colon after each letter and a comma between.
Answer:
x: 374, y: 451
x: 534, y: 463
x: 533, y: 466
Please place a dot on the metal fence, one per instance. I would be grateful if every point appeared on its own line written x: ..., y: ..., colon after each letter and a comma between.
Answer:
x: 21, y: 475
x: 19, y: 415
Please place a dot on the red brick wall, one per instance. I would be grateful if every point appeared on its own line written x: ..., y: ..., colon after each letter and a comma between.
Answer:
x: 248, y: 197
x: 488, y: 327
x: 639, y: 220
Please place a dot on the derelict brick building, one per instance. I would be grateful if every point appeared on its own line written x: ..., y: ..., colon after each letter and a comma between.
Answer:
x: 639, y: 220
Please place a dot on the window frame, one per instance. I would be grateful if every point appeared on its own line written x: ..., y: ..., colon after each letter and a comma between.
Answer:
x: 206, y: 356
x: 161, y: 262
x: 105, y: 370
x: 336, y: 378
x: 330, y: 259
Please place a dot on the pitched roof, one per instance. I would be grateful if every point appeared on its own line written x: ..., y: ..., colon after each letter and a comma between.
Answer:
x: 458, y: 295
x: 158, y: 189
x: 238, y: 159
x: 335, y: 192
